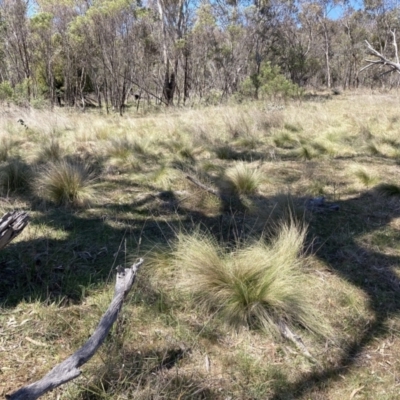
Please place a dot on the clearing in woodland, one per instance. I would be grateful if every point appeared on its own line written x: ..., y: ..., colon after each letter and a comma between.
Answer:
x: 253, y: 220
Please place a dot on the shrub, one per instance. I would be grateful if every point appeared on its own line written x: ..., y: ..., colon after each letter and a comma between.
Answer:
x: 257, y: 286
x: 65, y: 183
x: 269, y: 82
x: 6, y: 91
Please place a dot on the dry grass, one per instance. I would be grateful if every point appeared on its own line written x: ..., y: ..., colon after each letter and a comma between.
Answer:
x: 257, y: 285
x: 65, y: 183
x: 56, y: 278
x: 243, y: 179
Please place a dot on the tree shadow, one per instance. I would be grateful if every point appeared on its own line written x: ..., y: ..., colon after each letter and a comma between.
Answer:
x: 339, y: 235
x: 336, y: 232
x: 31, y: 269
x: 69, y: 254
x: 147, y: 371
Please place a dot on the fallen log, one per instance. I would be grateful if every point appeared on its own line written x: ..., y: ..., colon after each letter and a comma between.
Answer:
x: 11, y: 225
x: 69, y: 369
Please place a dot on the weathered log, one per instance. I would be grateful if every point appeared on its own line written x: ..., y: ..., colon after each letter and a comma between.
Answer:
x: 11, y: 225
x: 69, y: 369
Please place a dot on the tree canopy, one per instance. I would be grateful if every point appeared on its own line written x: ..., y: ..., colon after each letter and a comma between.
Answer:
x: 179, y: 51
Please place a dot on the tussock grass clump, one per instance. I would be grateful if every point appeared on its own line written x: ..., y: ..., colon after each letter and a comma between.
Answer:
x: 388, y: 189
x: 305, y: 153
x: 249, y: 142
x: 237, y: 126
x: 164, y: 177
x: 293, y: 127
x: 124, y: 153
x: 15, y: 176
x: 266, y: 121
x: 324, y: 147
x: 225, y: 152
x: 189, y: 153
x: 285, y: 140
x: 121, y: 148
x: 6, y: 147
x: 257, y: 285
x: 65, y: 183
x: 364, y: 176
x: 372, y: 149
x: 243, y: 179
x: 51, y: 152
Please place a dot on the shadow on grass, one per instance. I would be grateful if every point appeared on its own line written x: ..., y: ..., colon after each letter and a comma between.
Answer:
x: 70, y: 254
x: 373, y: 272
x: 145, y: 374
x: 339, y: 235
x: 66, y: 264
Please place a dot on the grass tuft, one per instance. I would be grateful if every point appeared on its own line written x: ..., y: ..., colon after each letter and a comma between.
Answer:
x: 365, y: 177
x: 225, y: 152
x: 305, y: 153
x: 15, y: 176
x: 388, y: 189
x: 120, y: 148
x: 243, y: 179
x: 6, y: 147
x: 65, y: 183
x: 51, y: 152
x: 285, y: 140
x: 257, y: 286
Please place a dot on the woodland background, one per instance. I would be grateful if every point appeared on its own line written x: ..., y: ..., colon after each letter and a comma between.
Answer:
x: 100, y: 52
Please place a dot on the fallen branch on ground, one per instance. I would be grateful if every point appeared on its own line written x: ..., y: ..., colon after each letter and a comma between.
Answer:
x: 296, y: 340
x: 214, y: 192
x: 11, y: 225
x: 69, y: 369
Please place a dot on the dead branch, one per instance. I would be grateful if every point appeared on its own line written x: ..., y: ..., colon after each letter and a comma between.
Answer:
x: 69, y: 369
x: 206, y: 188
x: 381, y: 59
x: 395, y: 46
x: 11, y: 225
x: 296, y: 340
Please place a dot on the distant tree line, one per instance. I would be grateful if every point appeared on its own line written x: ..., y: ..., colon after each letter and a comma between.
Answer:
x: 181, y: 51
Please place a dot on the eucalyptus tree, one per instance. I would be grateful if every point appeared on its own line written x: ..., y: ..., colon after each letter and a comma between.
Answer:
x: 42, y: 35
x: 316, y: 15
x: 16, y: 42
x: 174, y: 18
x: 354, y: 28
x: 68, y: 75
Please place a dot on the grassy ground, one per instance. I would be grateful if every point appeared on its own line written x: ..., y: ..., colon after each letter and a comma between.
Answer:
x: 264, y: 163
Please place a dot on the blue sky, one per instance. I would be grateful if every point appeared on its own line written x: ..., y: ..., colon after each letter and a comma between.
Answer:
x: 337, y: 11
